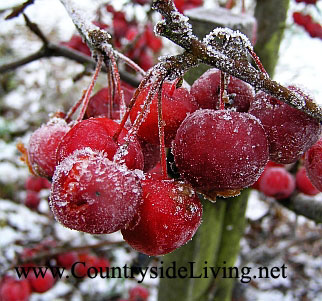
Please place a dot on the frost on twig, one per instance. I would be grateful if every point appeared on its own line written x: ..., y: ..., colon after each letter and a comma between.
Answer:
x: 225, y: 56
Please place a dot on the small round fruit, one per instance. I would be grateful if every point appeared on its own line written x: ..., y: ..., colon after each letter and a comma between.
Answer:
x: 138, y: 293
x: 92, y: 194
x: 97, y: 134
x: 41, y: 284
x: 206, y: 91
x: 32, y: 199
x: 313, y: 164
x: 220, y: 150
x: 37, y: 183
x: 43, y: 145
x: 168, y: 217
x: 304, y: 184
x: 13, y: 290
x: 277, y: 182
x: 290, y: 132
x: 67, y: 259
x: 176, y: 105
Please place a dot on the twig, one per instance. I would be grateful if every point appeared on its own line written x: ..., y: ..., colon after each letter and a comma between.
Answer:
x: 19, y: 9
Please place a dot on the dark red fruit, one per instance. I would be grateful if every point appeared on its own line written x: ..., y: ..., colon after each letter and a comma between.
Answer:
x: 304, y: 184
x: 220, y: 150
x: 176, y: 105
x: 67, y: 259
x: 206, y: 91
x: 76, y: 43
x: 313, y: 164
x: 32, y: 199
x: 290, y: 131
x: 168, y: 217
x: 97, y: 134
x: 43, y: 145
x: 92, y: 194
x: 14, y: 290
x: 37, y: 183
x: 138, y: 293
x: 277, y: 182
x: 41, y: 284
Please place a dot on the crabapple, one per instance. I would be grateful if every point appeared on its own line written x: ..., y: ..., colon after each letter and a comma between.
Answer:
x: 290, y: 132
x: 92, y: 194
x: 220, y: 150
x: 41, y: 283
x: 32, y: 199
x: 168, y: 217
x: 303, y: 183
x: 13, y: 290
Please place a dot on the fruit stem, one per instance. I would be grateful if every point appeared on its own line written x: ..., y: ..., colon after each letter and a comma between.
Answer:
x: 110, y: 92
x: 90, y: 88
x: 257, y: 61
x: 223, y: 89
x: 161, y: 134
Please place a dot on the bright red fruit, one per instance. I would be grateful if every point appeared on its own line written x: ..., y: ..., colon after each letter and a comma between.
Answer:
x: 43, y: 145
x: 168, y: 217
x: 92, y: 194
x: 97, y: 134
x: 303, y: 183
x: 268, y: 165
x: 290, y: 131
x: 138, y: 293
x: 176, y: 105
x: 14, y: 290
x: 67, y: 259
x: 220, y: 150
x: 277, y: 182
x: 313, y: 164
x: 76, y: 42
x: 32, y: 199
x: 206, y: 91
x: 41, y: 284
x: 37, y: 183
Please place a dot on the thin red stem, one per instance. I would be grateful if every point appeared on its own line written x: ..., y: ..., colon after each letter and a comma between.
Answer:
x: 89, y: 90
x: 161, y: 135
x: 222, y: 91
x: 257, y: 61
x: 110, y: 94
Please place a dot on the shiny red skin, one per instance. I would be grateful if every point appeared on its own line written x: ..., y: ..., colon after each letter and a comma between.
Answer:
x: 304, y: 184
x: 176, y: 105
x: 313, y: 164
x: 13, y: 290
x: 206, y: 91
x: 277, y: 182
x: 290, y: 132
x: 43, y: 146
x: 92, y: 194
x: 220, y: 150
x: 97, y: 134
x: 168, y: 217
x: 41, y: 284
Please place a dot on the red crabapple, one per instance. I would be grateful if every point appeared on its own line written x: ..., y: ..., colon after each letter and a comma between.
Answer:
x: 43, y: 145
x: 176, y: 105
x: 277, y: 182
x: 41, y: 284
x: 313, y: 164
x: 290, y: 131
x: 67, y: 259
x: 36, y: 183
x: 220, y: 150
x: 13, y: 290
x: 304, y: 184
x: 97, y: 134
x: 32, y: 199
x: 206, y: 91
x: 92, y: 194
x: 168, y: 217
x: 138, y: 293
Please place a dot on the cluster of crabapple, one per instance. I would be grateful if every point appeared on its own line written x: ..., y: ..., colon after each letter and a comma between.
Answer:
x: 21, y: 289
x: 33, y: 187
x: 314, y: 29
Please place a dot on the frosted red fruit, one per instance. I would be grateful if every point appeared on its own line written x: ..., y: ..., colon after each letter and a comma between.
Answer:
x: 97, y: 134
x: 277, y: 182
x: 92, y: 194
x: 151, y: 154
x: 220, y: 150
x: 304, y: 184
x: 290, y: 131
x: 268, y: 165
x: 67, y: 259
x: 13, y: 290
x: 138, y: 293
x: 43, y: 145
x: 206, y: 91
x: 176, y: 105
x: 99, y: 106
x: 313, y: 164
x: 32, y: 199
x: 37, y: 183
x: 41, y: 284
x: 168, y: 217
